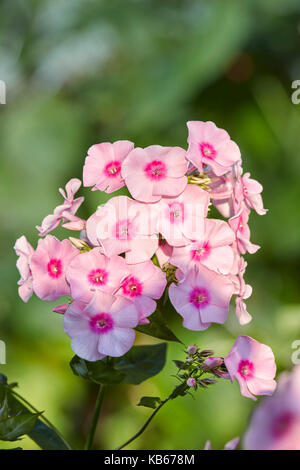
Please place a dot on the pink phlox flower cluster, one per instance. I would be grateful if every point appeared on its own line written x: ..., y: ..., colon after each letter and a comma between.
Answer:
x: 159, y: 236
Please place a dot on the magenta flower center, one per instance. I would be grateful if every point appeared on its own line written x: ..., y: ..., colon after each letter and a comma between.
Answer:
x: 132, y: 287
x: 246, y: 369
x: 199, y: 297
x: 207, y: 150
x: 282, y: 424
x: 54, y: 268
x: 101, y: 323
x: 156, y: 170
x: 112, y: 169
x: 125, y: 230
x: 200, y: 252
x: 98, y: 277
x: 176, y: 212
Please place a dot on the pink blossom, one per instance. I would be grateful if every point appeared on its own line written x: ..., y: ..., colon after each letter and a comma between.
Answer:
x: 201, y: 298
x: 213, y: 250
x: 249, y: 190
x: 191, y: 382
x: 154, y: 172
x: 102, y: 168
x: 49, y: 264
x: 124, y: 226
x: 163, y: 252
x: 93, y: 271
x: 243, y: 291
x: 231, y: 445
x: 209, y: 145
x: 275, y: 423
x: 61, y: 309
x: 66, y: 211
x: 181, y: 219
x: 192, y: 349
x: 252, y: 364
x: 25, y: 251
x: 104, y: 327
x: 239, y: 224
x: 144, y: 283
x: 222, y: 193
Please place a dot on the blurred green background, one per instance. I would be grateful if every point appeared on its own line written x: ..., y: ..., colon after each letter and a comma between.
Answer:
x: 84, y: 71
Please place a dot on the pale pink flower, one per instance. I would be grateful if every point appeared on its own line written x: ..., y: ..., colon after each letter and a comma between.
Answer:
x: 181, y: 219
x: 192, y: 349
x: 124, y: 226
x: 213, y: 250
x: 249, y: 190
x: 102, y: 168
x: 93, y: 271
x: 252, y: 364
x: 144, y: 283
x: 231, y: 445
x: 66, y: 211
x: 243, y: 291
x: 201, y: 298
x: 104, y: 327
x: 25, y: 251
x: 209, y: 145
x: 191, y: 382
x: 61, y: 309
x: 163, y: 252
x: 222, y: 193
x: 275, y: 423
x: 155, y: 171
x: 48, y: 265
x: 239, y: 224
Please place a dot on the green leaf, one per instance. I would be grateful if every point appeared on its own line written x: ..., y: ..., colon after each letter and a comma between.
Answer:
x: 99, y: 372
x: 150, y: 402
x: 4, y: 409
x: 3, y: 379
x: 14, y: 427
x: 158, y: 328
x: 142, y: 362
x: 180, y: 390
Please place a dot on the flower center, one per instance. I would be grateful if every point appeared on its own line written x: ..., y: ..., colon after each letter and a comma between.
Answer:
x: 199, y: 297
x: 112, y: 169
x: 176, y: 212
x: 132, y: 287
x: 124, y: 230
x: 101, y: 323
x: 200, y: 252
x: 98, y: 277
x: 246, y: 369
x: 156, y: 170
x: 207, y: 150
x: 282, y: 424
x: 54, y: 268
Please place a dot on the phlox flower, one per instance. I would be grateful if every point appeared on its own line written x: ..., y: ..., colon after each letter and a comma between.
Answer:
x: 155, y: 171
x: 213, y: 250
x: 48, y: 265
x: 181, y: 219
x: 163, y: 252
x: 66, y: 211
x: 144, y: 283
x: 24, y: 251
x: 209, y: 145
x: 103, y: 327
x: 243, y: 291
x: 275, y: 423
x: 231, y: 445
x: 124, y: 226
x: 102, y: 168
x: 252, y: 364
x: 239, y: 224
x: 201, y: 298
x: 249, y: 190
x: 93, y: 271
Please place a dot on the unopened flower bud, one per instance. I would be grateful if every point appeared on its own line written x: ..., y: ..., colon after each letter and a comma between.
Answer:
x: 212, y: 362
x: 189, y: 359
x: 61, y: 308
x: 191, y: 382
x: 192, y: 349
x: 206, y: 353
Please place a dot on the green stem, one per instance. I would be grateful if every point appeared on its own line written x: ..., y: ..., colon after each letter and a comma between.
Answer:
x: 145, y: 425
x: 42, y: 417
x: 95, y: 418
